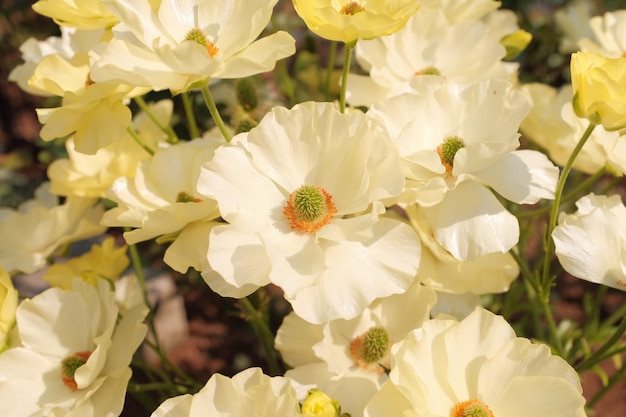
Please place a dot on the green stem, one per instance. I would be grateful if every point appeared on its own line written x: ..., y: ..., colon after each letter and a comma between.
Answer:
x: 548, y: 242
x: 263, y: 332
x: 155, y: 386
x: 598, y: 355
x: 614, y: 379
x: 192, y: 124
x: 137, y: 139
x: 215, y: 114
x: 330, y: 65
x: 171, y: 135
x: 344, y: 75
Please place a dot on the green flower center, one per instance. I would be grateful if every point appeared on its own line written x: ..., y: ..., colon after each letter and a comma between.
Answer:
x: 309, y: 208
x: 471, y: 408
x: 371, y: 348
x: 447, y: 150
x: 351, y: 8
x: 69, y: 366
x: 198, y: 36
x: 184, y: 197
x: 428, y: 71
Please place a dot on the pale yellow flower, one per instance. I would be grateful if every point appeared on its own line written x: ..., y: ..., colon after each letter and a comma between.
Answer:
x: 348, y: 21
x: 101, y: 262
x: 319, y: 404
x: 8, y: 305
x: 83, y: 14
x: 599, y: 85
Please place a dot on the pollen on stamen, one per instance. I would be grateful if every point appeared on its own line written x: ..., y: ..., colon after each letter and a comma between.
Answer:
x: 309, y: 208
x: 370, y: 350
x: 200, y: 37
x: 471, y: 408
x: 351, y: 8
x: 70, y: 365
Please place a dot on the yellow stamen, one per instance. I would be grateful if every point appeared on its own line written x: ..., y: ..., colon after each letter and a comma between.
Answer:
x: 351, y: 8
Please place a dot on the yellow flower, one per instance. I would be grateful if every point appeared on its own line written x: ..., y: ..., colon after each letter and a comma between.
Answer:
x: 599, y: 85
x: 319, y: 404
x: 83, y: 14
x: 348, y: 21
x: 103, y: 261
x: 8, y: 305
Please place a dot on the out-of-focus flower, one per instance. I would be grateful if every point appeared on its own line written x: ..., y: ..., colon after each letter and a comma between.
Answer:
x: 86, y: 175
x: 347, y: 359
x: 553, y: 125
x: 476, y: 367
x: 248, y: 393
x: 599, y: 85
x: 591, y: 243
x: 609, y: 33
x: 39, y: 226
x: 301, y: 195
x: 177, y: 45
x: 8, y: 305
x: 83, y: 14
x: 454, y: 140
x: 573, y: 22
x: 74, y: 355
x: 102, y: 262
x: 349, y: 21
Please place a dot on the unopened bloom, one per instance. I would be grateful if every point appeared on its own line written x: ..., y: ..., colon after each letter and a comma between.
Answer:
x: 591, y: 243
x: 348, y: 21
x: 301, y: 194
x: 177, y: 45
x: 74, y: 355
x: 599, y: 85
x: 318, y: 404
x: 476, y: 367
x: 248, y: 393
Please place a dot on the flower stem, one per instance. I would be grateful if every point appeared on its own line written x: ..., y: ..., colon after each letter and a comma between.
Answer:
x: 598, y: 355
x: 194, y: 132
x: 332, y: 53
x: 137, y: 139
x: 215, y: 114
x: 263, y: 332
x: 171, y: 135
x: 344, y: 75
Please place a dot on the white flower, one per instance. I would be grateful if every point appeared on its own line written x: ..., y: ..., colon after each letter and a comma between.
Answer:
x: 346, y: 358
x: 300, y: 193
x: 182, y: 43
x: 249, y: 393
x: 553, y: 125
x: 591, y: 243
x: 40, y: 226
x: 573, y: 22
x: 476, y: 367
x: 456, y: 139
x: 74, y: 355
x: 610, y: 35
x: 162, y: 199
x: 8, y: 305
x: 463, y: 51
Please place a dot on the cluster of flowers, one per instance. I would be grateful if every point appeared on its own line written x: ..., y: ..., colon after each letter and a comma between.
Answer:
x: 380, y: 223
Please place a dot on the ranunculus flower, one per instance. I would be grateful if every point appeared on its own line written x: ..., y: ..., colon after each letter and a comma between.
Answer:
x: 83, y: 14
x: 248, y: 393
x: 301, y: 194
x: 349, y: 21
x: 591, y: 243
x: 599, y: 85
x: 74, y: 355
x: 476, y: 367
x: 8, y: 305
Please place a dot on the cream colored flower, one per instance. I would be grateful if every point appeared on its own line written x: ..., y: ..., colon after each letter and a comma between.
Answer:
x: 8, y: 305
x: 248, y: 393
x: 476, y: 367
x: 101, y: 262
x: 41, y: 225
x: 178, y: 45
x: 599, y: 85
x: 74, y: 356
x: 349, y: 21
x: 591, y: 243
x: 82, y: 14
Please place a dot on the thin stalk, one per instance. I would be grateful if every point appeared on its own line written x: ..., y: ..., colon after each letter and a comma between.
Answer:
x: 137, y: 139
x: 548, y: 242
x: 155, y: 386
x: 614, y: 379
x: 192, y: 124
x: 264, y: 334
x: 598, y: 355
x: 215, y: 114
x: 171, y: 135
x: 344, y: 75
x: 330, y: 65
